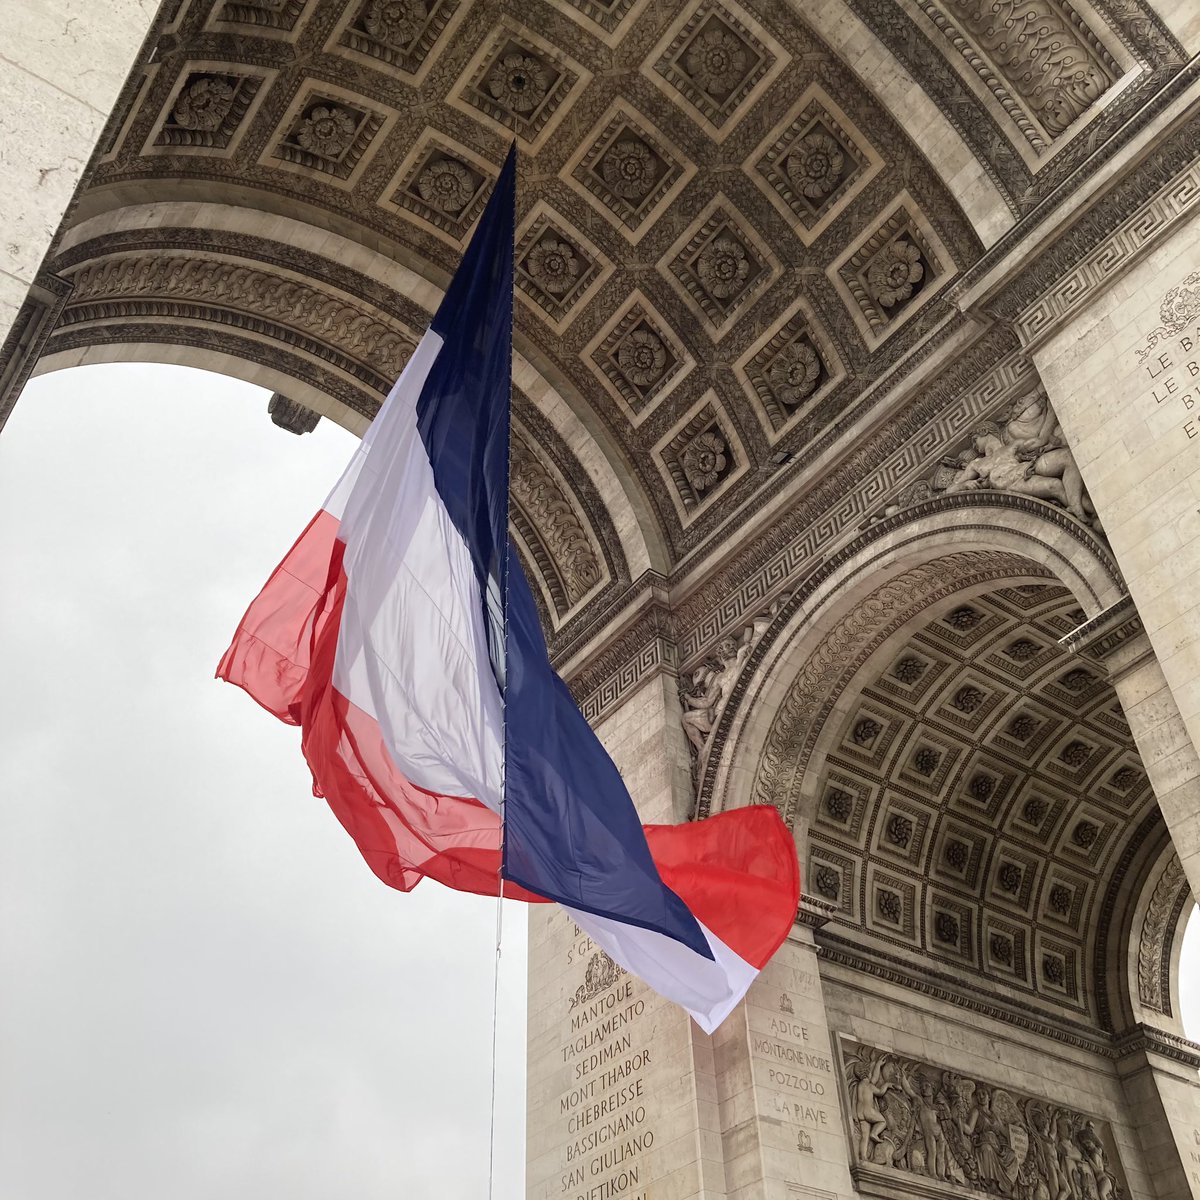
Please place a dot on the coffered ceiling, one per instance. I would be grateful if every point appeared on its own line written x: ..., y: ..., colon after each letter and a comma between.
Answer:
x: 735, y: 218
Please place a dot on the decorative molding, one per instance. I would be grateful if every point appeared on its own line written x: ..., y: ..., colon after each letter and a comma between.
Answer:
x: 1171, y: 893
x: 568, y: 560
x: 1145, y: 1039
x: 1041, y: 50
x: 848, y: 494
x: 1106, y: 632
x: 26, y: 340
x: 290, y: 415
x: 1110, y: 258
x: 246, y: 288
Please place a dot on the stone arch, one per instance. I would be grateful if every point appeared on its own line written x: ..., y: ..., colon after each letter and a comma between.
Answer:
x: 1148, y: 906
x: 828, y: 618
x: 297, y: 301
x: 328, y: 323
x: 963, y: 789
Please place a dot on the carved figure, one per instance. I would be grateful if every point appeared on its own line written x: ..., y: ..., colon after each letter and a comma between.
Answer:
x: 869, y: 1089
x: 929, y: 1121
x: 1026, y: 454
x: 711, y: 685
x: 713, y: 682
x: 943, y: 1126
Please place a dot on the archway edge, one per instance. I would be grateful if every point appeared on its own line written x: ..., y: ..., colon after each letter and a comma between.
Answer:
x: 630, y: 511
x: 973, y: 537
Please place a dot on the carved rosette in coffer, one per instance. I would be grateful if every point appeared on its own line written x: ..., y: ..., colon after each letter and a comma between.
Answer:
x: 921, y: 1129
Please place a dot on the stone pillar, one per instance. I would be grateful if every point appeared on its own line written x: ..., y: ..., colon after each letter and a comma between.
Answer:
x: 1162, y: 1086
x: 1123, y: 375
x: 622, y: 1088
x: 780, y: 1113
x: 64, y: 64
x: 1116, y: 638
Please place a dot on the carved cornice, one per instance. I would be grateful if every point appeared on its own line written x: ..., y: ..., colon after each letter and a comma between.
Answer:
x: 954, y: 990
x: 1123, y: 222
x: 1166, y: 160
x: 1104, y: 633
x: 814, y: 913
x: 643, y: 648
x: 1145, y: 1039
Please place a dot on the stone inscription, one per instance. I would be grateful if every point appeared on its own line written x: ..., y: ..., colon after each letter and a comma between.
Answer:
x: 1170, y: 358
x: 793, y: 1070
x: 604, y: 1111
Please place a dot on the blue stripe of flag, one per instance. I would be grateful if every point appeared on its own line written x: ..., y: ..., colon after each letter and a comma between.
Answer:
x: 572, y: 833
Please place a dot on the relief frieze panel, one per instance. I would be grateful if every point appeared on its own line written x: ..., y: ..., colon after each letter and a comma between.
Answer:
x: 1023, y: 451
x: 928, y: 1130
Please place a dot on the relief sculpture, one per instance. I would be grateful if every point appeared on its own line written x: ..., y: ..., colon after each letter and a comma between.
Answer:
x: 712, y: 682
x: 1025, y: 452
x: 942, y: 1125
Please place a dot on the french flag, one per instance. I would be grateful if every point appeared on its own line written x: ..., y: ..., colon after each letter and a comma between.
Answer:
x: 401, y: 636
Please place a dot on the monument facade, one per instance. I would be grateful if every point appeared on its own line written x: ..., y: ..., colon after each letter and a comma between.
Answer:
x: 856, y: 467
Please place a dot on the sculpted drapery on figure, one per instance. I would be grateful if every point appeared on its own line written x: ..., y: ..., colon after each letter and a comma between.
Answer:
x: 940, y: 1125
x: 1025, y: 452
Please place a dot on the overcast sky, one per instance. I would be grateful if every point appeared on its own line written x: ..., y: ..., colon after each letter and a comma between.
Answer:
x: 205, y: 992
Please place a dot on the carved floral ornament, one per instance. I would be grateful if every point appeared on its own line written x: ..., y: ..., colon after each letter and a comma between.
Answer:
x: 630, y: 169
x: 519, y: 82
x: 1025, y: 452
x: 815, y: 165
x: 395, y: 22
x: 328, y: 131
x: 940, y: 1125
x: 716, y: 60
x: 642, y: 357
x: 446, y: 185
x: 723, y: 267
x: 204, y: 103
x: 794, y: 373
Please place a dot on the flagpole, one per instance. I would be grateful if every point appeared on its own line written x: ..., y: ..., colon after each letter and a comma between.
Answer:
x: 504, y: 565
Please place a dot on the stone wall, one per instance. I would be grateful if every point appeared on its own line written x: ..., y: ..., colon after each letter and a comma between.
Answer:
x: 1124, y: 377
x: 63, y: 66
